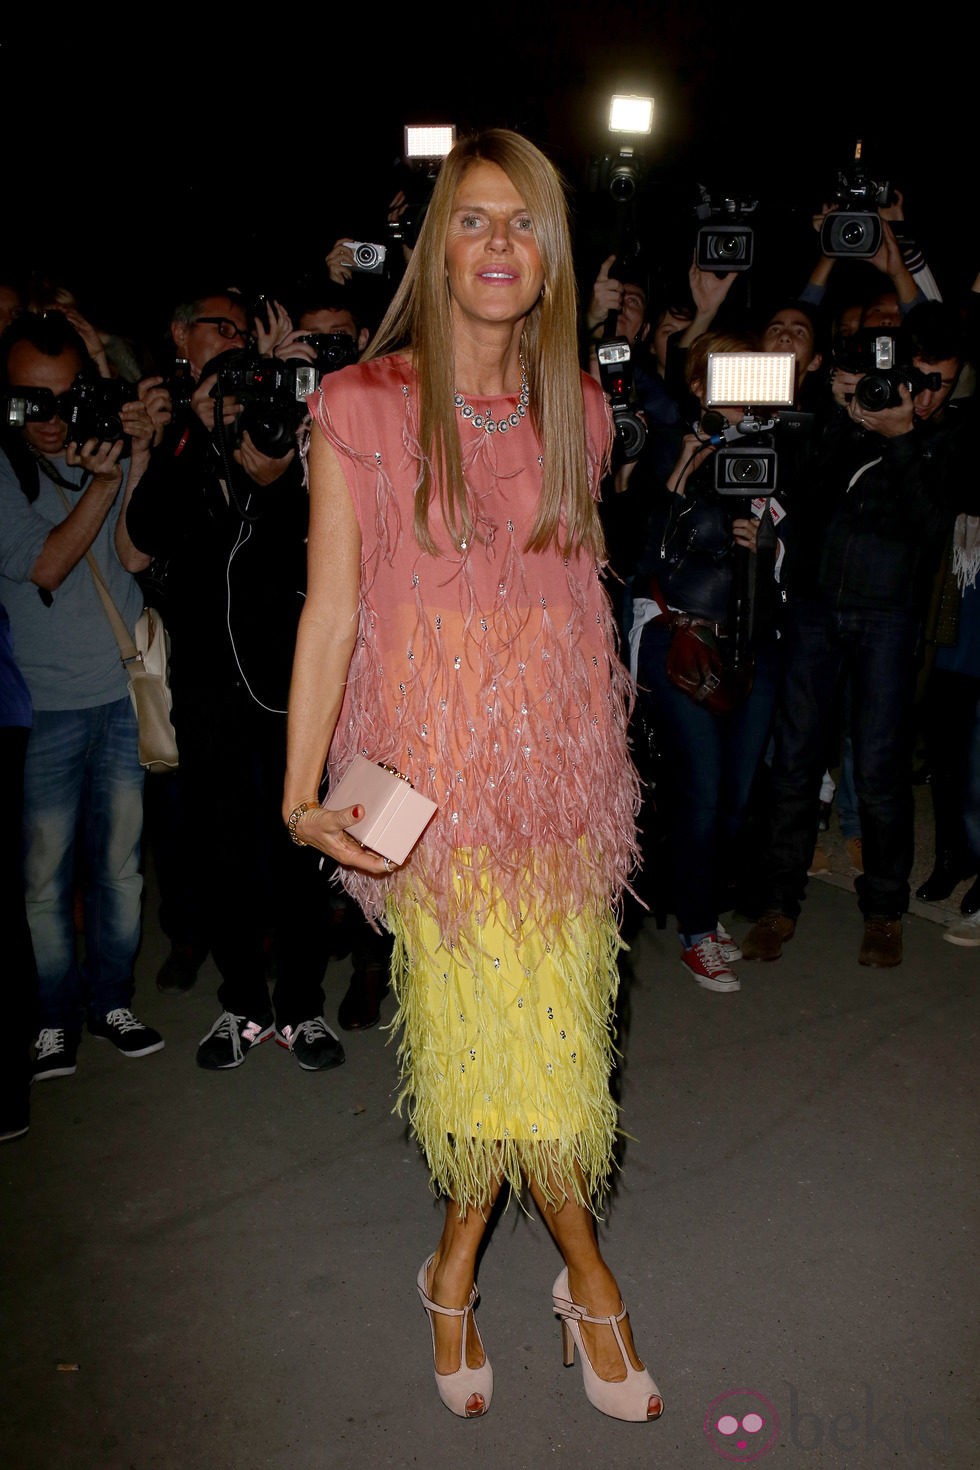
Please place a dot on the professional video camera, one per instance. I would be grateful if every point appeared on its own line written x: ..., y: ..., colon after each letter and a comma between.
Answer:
x: 854, y: 229
x: 91, y: 408
x: 746, y: 458
x: 616, y: 376
x: 725, y: 242
x: 878, y: 354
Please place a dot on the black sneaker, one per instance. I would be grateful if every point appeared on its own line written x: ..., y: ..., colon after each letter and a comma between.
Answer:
x: 229, y: 1041
x: 313, y: 1045
x: 53, y: 1055
x: 126, y: 1033
x: 179, y: 970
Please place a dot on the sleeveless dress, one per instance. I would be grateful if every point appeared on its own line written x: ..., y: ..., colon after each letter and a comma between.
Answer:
x: 488, y: 676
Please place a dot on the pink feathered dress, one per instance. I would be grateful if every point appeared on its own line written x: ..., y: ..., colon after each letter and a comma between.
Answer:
x: 489, y: 677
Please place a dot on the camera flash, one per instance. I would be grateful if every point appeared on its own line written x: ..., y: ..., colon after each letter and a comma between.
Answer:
x: 750, y: 379
x: 429, y: 142
x: 631, y: 115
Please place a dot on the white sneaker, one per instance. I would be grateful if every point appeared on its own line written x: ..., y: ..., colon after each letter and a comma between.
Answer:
x: 965, y: 932
x: 730, y: 951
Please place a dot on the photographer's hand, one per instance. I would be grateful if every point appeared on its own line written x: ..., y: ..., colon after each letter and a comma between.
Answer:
x: 156, y: 404
x: 694, y: 452
x: 896, y: 210
x: 99, y: 457
x: 205, y: 406
x: 292, y: 347
x: 889, y: 260
x: 340, y: 261
x: 607, y: 296
x: 842, y: 385
x: 890, y: 423
x: 709, y: 291
x: 745, y: 532
x: 94, y: 345
x: 268, y: 337
x: 261, y: 468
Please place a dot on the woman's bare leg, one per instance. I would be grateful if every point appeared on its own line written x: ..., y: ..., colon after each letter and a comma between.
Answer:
x: 590, y: 1282
x: 451, y: 1276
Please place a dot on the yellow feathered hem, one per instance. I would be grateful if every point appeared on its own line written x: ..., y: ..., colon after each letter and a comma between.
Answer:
x: 506, y: 1052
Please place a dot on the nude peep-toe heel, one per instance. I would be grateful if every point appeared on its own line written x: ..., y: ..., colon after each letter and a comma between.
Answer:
x: 628, y: 1398
x: 456, y: 1389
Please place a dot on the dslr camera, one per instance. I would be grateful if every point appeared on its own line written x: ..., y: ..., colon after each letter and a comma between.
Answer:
x: 266, y: 388
x: 616, y: 376
x: 91, y: 408
x: 725, y: 242
x: 273, y: 393
x: 877, y: 353
x: 855, y: 229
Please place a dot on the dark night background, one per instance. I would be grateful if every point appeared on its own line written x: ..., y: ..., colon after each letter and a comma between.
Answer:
x: 148, y: 147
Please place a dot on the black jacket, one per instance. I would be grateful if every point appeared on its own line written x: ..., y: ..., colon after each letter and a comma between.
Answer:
x: 870, y: 526
x: 234, y: 568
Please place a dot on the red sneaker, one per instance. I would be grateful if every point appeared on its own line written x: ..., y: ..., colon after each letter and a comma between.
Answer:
x: 708, y: 965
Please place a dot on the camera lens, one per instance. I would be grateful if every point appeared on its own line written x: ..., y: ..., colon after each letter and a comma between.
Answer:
x: 747, y: 470
x: 852, y: 234
x: 366, y: 257
x: 874, y: 392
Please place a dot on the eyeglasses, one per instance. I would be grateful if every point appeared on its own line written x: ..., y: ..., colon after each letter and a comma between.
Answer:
x: 226, y: 327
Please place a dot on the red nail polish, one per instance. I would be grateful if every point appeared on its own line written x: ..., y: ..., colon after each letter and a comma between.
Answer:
x: 358, y: 813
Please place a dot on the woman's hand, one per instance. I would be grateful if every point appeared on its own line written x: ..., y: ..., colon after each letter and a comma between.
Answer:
x: 325, y: 830
x: 694, y: 451
x: 745, y: 531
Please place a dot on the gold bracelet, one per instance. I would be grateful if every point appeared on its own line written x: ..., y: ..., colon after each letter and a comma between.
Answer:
x: 293, y: 819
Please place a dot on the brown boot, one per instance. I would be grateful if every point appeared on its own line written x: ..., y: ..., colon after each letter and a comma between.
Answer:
x: 881, y: 946
x: 767, y: 936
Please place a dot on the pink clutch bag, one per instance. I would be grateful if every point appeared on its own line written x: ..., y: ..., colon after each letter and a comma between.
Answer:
x: 395, y: 814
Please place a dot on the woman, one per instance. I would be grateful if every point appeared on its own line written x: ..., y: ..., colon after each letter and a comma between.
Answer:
x: 455, y: 628
x: 710, y: 758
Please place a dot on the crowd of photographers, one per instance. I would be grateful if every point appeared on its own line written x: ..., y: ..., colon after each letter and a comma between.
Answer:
x: 791, y: 589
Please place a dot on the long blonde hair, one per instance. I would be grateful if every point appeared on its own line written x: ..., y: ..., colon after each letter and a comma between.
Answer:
x: 420, y: 316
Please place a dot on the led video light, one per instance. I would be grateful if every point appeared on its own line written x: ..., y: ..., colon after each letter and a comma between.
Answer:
x: 429, y: 142
x: 631, y: 115
x: 750, y: 379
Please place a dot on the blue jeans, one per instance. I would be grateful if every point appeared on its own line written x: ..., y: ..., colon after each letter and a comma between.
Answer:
x: 709, y: 764
x: 83, y: 796
x: 878, y: 651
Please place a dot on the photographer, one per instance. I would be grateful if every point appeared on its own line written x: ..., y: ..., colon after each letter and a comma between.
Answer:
x: 66, y: 476
x: 698, y: 547
x: 869, y: 536
x: 223, y: 505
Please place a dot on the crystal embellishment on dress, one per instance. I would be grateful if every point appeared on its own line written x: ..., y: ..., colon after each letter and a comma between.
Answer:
x: 486, y: 420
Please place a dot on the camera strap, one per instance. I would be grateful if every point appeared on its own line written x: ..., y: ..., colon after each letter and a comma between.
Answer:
x: 56, y: 477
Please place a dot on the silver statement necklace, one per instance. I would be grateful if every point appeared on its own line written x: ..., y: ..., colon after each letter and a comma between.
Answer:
x: 486, y: 420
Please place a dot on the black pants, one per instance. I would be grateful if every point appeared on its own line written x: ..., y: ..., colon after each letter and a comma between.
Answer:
x: 878, y: 650
x: 253, y: 881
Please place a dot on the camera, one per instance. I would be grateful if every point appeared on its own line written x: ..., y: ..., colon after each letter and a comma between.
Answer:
x: 877, y: 354
x: 91, y: 408
x: 368, y: 258
x: 616, y: 376
x: 333, y: 350
x: 745, y: 462
x: 266, y: 388
x: 855, y: 229
x: 724, y: 241
x: 620, y: 175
